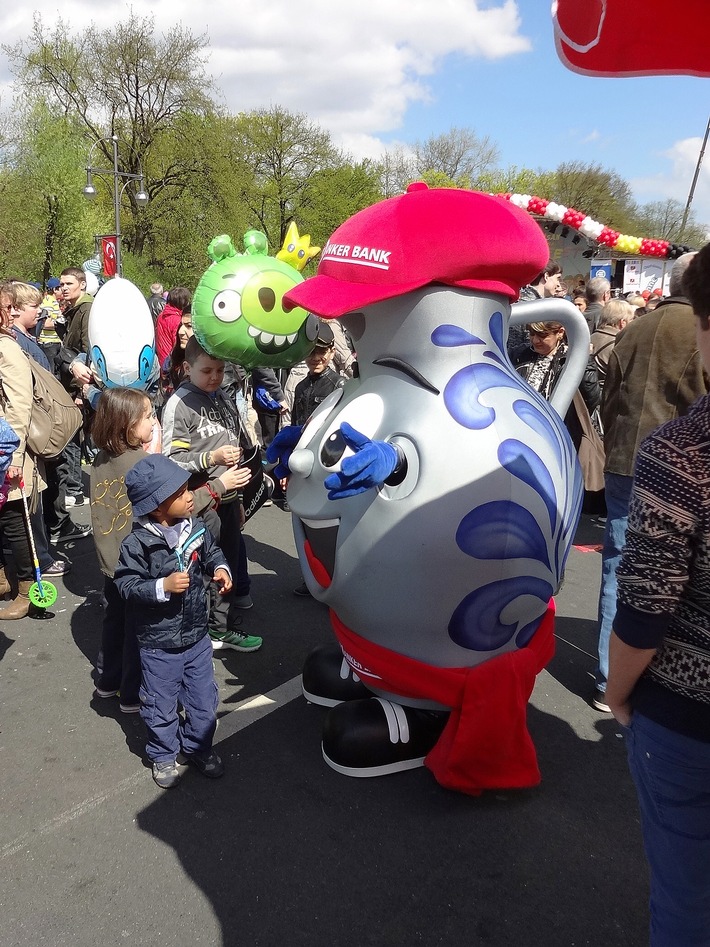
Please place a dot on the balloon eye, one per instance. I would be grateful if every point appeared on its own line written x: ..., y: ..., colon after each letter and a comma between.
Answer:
x: 301, y: 254
x: 291, y: 247
x: 97, y: 357
x: 145, y: 363
x: 267, y: 298
x: 333, y: 449
x: 227, y: 306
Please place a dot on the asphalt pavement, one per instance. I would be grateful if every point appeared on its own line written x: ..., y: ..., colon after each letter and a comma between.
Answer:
x: 283, y: 851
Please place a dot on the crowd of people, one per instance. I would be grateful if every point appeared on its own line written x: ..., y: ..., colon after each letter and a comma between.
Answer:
x: 166, y: 489
x: 197, y: 413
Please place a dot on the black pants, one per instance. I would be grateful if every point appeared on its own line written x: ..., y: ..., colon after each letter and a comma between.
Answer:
x: 53, y: 508
x: 269, y: 424
x: 14, y: 532
x: 224, y: 527
x: 118, y: 665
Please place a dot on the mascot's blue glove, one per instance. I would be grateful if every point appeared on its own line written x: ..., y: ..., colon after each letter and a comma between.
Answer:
x: 371, y: 464
x: 264, y: 400
x: 281, y: 448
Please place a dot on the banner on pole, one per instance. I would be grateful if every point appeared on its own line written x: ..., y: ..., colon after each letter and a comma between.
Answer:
x: 108, y: 251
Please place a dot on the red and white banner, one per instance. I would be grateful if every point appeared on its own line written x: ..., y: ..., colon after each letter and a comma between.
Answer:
x: 633, y: 37
x: 108, y: 251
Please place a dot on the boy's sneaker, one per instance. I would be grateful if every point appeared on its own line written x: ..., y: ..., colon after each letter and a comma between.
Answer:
x: 236, y: 640
x: 99, y: 692
x: 166, y: 774
x: 210, y: 765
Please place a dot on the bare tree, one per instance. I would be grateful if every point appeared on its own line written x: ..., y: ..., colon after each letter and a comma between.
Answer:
x: 459, y: 154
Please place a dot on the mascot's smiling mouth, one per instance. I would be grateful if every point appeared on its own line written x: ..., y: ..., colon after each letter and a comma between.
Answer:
x: 320, y: 538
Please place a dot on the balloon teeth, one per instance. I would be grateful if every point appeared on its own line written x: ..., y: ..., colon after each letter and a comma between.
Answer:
x: 269, y: 338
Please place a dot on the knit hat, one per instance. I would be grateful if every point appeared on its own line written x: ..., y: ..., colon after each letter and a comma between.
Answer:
x: 92, y: 266
x: 52, y: 283
x: 443, y: 235
x: 151, y: 481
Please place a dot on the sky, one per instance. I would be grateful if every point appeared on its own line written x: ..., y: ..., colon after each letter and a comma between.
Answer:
x: 378, y: 73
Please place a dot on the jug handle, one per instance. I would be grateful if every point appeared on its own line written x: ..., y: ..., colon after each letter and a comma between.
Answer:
x: 575, y: 325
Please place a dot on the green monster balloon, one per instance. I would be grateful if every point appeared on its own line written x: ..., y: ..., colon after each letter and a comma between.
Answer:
x: 238, y: 312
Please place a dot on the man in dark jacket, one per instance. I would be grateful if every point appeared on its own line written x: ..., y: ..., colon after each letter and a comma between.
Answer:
x: 598, y: 294
x: 654, y: 374
x: 156, y: 300
x: 320, y: 380
x: 66, y: 489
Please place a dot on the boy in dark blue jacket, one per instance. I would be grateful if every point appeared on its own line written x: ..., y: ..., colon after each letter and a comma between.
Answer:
x: 160, y: 575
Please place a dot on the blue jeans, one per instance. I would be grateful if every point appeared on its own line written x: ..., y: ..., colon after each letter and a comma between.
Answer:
x: 672, y: 777
x: 617, y: 490
x: 183, y: 675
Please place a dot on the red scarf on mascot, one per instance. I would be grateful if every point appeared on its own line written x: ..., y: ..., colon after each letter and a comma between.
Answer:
x: 486, y: 743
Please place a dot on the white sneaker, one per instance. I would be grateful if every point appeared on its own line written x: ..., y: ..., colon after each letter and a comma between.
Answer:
x: 74, y: 500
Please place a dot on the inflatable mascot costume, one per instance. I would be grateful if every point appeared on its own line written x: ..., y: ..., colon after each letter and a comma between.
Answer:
x: 435, y: 496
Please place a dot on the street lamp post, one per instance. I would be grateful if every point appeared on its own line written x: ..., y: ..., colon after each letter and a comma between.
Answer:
x: 140, y: 196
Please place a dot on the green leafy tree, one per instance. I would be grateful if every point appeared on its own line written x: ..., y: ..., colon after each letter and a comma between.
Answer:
x: 128, y: 81
x: 47, y: 223
x: 602, y: 194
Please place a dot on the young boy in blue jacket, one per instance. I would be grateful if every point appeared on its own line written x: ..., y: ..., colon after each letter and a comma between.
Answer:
x: 160, y: 575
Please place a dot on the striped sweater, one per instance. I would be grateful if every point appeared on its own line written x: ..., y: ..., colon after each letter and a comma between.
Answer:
x: 664, y: 576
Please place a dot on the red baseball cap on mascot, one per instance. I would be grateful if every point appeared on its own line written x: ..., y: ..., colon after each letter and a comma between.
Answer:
x: 443, y: 235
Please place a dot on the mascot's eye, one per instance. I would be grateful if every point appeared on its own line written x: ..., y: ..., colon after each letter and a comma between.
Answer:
x: 227, y: 306
x: 301, y: 254
x: 333, y: 449
x: 319, y: 418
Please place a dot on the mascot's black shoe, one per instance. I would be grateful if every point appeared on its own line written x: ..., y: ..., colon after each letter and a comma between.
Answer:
x: 328, y: 679
x: 375, y: 737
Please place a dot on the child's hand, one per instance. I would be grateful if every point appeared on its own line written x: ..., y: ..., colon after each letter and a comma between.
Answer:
x: 176, y: 582
x: 235, y: 477
x: 226, y: 456
x: 221, y: 577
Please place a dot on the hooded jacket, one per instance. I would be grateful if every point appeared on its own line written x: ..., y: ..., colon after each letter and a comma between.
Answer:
x: 145, y: 557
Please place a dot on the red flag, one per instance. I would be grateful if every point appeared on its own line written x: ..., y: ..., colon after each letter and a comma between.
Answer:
x: 108, y: 249
x: 633, y: 37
